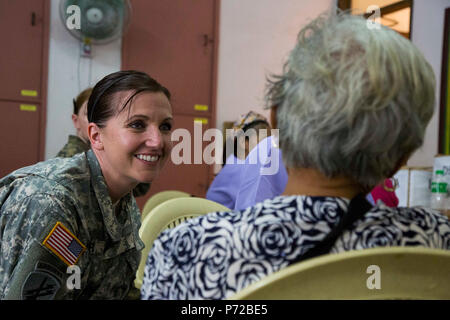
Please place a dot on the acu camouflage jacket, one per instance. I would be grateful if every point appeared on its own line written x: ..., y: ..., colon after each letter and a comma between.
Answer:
x: 104, y: 242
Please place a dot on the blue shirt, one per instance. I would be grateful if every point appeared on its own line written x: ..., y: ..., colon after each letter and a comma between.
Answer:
x: 264, y: 176
x: 224, y: 189
x: 241, y: 184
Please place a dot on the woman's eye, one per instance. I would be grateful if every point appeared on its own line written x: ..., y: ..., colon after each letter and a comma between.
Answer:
x: 137, y: 125
x: 166, y: 127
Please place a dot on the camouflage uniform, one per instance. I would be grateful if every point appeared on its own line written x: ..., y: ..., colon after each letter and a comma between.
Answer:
x: 76, y: 145
x: 72, y: 147
x: 71, y: 191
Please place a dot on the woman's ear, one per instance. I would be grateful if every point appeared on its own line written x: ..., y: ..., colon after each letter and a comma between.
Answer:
x: 273, y: 117
x: 402, y: 162
x: 95, y: 136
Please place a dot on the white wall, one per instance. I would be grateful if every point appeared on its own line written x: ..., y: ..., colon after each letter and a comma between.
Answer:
x: 427, y: 35
x: 257, y: 35
x: 255, y: 39
x: 63, y: 81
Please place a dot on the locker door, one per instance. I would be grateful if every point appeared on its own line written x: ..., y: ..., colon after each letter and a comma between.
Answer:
x: 21, y: 31
x: 19, y: 146
x: 172, y: 42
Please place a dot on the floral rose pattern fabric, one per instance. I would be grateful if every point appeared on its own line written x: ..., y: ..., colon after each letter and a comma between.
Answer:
x: 216, y: 255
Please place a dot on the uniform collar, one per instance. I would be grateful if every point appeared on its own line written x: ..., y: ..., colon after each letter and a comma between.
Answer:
x: 78, y: 141
x: 117, y: 230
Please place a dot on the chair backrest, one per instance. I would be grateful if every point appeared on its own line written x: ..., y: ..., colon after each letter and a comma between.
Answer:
x: 159, y: 198
x: 378, y: 273
x: 168, y: 215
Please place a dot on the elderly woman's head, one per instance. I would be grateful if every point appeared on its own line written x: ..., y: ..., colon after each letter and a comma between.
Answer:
x: 352, y: 101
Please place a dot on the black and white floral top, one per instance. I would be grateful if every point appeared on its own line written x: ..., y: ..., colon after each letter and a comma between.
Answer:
x: 215, y: 255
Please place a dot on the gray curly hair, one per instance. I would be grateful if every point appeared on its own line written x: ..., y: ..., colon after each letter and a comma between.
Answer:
x: 351, y: 100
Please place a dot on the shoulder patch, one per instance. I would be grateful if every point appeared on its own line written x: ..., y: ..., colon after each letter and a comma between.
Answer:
x: 40, y: 285
x: 64, y: 244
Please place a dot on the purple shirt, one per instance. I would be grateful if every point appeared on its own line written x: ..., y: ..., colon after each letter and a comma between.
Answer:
x: 241, y: 184
x: 264, y: 176
x: 223, y: 189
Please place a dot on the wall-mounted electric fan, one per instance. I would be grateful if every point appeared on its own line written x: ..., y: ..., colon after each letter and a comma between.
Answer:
x: 95, y: 21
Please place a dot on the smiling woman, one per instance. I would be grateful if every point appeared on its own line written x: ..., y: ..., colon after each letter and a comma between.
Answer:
x: 130, y: 124
x: 81, y: 210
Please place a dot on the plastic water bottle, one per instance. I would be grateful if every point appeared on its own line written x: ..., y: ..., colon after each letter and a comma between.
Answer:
x: 439, y: 196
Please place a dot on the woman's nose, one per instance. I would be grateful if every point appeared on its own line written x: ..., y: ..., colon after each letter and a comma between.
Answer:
x: 153, y: 137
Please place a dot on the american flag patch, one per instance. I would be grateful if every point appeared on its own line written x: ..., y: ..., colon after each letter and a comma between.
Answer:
x: 64, y: 244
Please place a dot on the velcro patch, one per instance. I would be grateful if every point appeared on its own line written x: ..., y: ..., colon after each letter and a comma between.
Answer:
x: 64, y: 244
x: 40, y: 285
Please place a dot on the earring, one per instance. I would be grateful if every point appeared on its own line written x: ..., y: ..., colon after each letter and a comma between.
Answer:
x: 394, y: 185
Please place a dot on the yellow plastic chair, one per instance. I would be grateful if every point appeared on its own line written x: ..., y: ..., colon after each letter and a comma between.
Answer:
x: 403, y: 273
x: 159, y: 198
x: 168, y: 215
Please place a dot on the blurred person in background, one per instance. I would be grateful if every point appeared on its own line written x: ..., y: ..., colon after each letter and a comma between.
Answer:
x: 79, y: 142
x: 242, y: 181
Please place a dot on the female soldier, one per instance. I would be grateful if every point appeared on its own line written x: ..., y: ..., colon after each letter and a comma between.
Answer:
x: 80, y: 211
x: 80, y: 142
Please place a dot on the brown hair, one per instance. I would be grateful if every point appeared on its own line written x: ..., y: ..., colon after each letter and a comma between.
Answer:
x: 81, y: 98
x: 101, y: 105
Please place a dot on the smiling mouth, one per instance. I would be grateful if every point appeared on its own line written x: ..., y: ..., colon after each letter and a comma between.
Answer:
x: 147, y: 158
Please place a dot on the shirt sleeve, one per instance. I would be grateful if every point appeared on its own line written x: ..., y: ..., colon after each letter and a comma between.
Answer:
x: 223, y: 188
x: 28, y: 269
